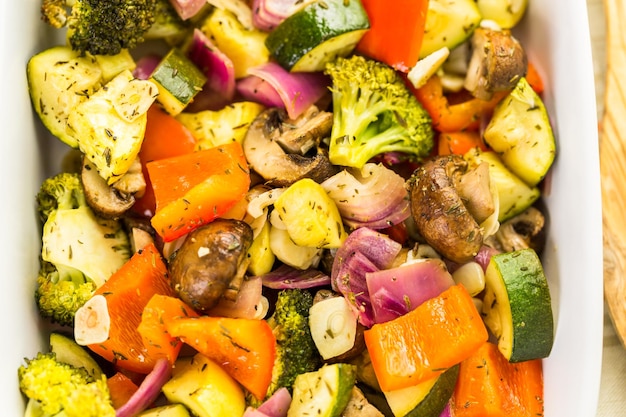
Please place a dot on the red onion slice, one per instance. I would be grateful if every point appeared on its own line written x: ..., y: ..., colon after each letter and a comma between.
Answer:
x: 286, y: 276
x: 148, y: 391
x: 258, y: 90
x: 394, y: 292
x: 267, y: 14
x: 374, y: 196
x: 188, y: 8
x: 217, y: 67
x: 278, y: 404
x: 297, y: 90
x: 146, y: 66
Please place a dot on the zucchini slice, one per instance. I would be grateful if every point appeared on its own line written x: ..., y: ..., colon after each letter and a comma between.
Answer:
x: 178, y: 80
x: 520, y: 132
x: 426, y: 399
x: 317, y: 34
x: 513, y: 195
x: 58, y: 80
x: 517, y: 306
x: 449, y: 23
x: 323, y: 393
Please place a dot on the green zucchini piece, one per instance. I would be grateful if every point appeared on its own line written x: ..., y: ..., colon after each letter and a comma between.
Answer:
x: 506, y: 13
x: 449, y: 23
x: 323, y: 393
x: 70, y: 352
x: 58, y: 80
x: 517, y: 305
x: 426, y: 399
x: 317, y: 34
x: 520, y: 132
x: 112, y: 65
x: 514, y: 195
x: 179, y: 80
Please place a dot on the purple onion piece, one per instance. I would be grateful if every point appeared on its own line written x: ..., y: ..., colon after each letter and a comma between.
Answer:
x: 267, y: 14
x: 187, y: 8
x: 350, y: 282
x: 408, y: 285
x: 148, y: 391
x: 277, y: 404
x: 374, y: 197
x: 217, y: 67
x: 484, y: 256
x: 254, y: 412
x: 297, y: 90
x: 256, y: 89
x: 286, y: 276
x: 379, y: 248
x: 146, y: 66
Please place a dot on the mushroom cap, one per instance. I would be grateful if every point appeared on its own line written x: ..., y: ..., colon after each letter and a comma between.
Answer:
x: 279, y: 149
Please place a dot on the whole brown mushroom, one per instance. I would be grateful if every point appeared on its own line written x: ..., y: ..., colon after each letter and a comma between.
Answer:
x: 440, y: 207
x: 211, y: 262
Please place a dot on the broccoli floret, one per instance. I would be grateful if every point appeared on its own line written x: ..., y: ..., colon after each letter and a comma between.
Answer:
x: 374, y: 113
x: 61, y: 388
x: 168, y: 24
x: 101, y: 27
x: 61, y: 192
x: 295, y: 349
x: 79, y: 250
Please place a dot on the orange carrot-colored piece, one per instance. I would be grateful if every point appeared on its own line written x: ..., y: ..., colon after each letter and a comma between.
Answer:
x: 127, y: 292
x: 490, y: 386
x: 453, y: 117
x: 245, y: 348
x: 156, y: 340
x: 396, y: 32
x: 165, y: 137
x: 121, y: 389
x: 459, y: 143
x: 534, y: 78
x: 426, y: 341
x: 194, y: 189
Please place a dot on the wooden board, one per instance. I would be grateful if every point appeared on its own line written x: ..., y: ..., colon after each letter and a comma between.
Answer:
x: 613, y: 166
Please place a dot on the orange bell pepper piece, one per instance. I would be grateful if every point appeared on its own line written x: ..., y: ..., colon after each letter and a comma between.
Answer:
x: 165, y: 137
x: 490, y: 386
x: 127, y: 292
x: 534, y: 78
x: 194, y: 189
x: 449, y: 117
x: 426, y: 341
x: 156, y: 340
x: 121, y: 389
x: 459, y: 143
x: 244, y: 348
x: 396, y: 32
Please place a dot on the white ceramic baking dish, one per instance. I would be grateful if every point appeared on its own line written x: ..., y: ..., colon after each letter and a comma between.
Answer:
x: 555, y: 32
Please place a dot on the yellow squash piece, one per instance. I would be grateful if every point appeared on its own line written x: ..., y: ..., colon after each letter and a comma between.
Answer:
x: 213, y: 128
x: 109, y: 126
x: 245, y: 48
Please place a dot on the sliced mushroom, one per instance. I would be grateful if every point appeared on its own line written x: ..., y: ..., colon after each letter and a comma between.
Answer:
x: 498, y: 61
x: 475, y: 191
x: 105, y: 200
x: 522, y: 231
x: 278, y: 148
x: 439, y: 212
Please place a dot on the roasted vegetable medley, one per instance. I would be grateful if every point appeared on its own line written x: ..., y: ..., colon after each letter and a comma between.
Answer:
x: 283, y: 208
